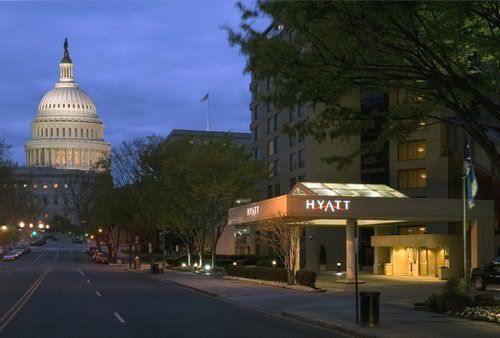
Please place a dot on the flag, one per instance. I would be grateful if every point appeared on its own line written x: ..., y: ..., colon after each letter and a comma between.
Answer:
x: 471, y: 186
x: 204, y: 98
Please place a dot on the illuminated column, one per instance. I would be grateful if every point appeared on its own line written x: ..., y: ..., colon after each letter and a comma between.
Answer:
x: 350, y: 248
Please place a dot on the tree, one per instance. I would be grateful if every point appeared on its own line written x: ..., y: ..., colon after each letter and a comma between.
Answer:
x: 444, y: 55
x: 110, y: 212
x: 284, y: 236
x: 132, y: 167
x: 202, y: 180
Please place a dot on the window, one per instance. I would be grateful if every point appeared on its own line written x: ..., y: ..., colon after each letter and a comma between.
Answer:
x: 256, y: 133
x: 300, y: 138
x: 302, y: 162
x: 69, y: 132
x: 270, y: 191
x: 300, y: 109
x: 270, y: 147
x: 411, y: 150
x: 270, y: 169
x: 64, y: 132
x: 268, y: 105
x: 277, y: 168
x: 86, y: 133
x: 268, y: 124
x: 256, y: 153
x: 277, y: 121
x: 276, y: 144
x: 57, y: 132
x: 413, y: 178
x: 292, y: 115
x: 293, y: 161
x: 292, y: 139
x: 277, y: 191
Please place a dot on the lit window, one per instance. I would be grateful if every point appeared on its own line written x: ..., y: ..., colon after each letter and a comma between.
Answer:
x: 270, y: 147
x: 412, y: 150
x: 45, y: 186
x: 412, y: 178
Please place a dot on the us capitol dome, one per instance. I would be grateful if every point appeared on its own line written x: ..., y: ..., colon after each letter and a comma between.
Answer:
x: 67, y: 132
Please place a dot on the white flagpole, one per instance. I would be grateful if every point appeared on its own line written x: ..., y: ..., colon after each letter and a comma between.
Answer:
x: 464, y: 226
x: 208, y: 111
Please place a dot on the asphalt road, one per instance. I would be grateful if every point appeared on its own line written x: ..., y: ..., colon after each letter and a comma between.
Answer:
x: 55, y: 291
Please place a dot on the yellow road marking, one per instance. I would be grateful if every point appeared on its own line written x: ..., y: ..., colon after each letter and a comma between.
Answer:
x: 11, y: 313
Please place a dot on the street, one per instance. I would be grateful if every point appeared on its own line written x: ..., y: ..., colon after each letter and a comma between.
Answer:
x: 55, y: 291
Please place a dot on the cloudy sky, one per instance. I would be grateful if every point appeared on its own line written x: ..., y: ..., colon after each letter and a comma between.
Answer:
x: 146, y: 64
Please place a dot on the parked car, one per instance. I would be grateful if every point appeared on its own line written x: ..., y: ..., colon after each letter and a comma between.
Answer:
x: 11, y: 256
x: 486, y: 275
x: 100, y: 257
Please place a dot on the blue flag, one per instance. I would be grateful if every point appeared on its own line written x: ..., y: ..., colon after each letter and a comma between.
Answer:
x: 471, y: 186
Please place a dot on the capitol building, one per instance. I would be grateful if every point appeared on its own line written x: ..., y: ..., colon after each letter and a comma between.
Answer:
x: 67, y: 131
x: 64, y: 153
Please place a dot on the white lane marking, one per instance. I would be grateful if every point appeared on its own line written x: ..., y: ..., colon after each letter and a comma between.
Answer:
x: 97, y: 293
x: 40, y: 255
x: 120, y: 319
x: 88, y: 281
x: 81, y: 272
x: 56, y: 256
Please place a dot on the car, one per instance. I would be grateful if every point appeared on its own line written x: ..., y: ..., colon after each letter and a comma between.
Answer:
x: 100, y: 257
x: 486, y: 275
x: 11, y: 256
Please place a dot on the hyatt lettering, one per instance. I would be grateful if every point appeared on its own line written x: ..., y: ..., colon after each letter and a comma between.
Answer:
x: 253, y: 211
x: 328, y: 205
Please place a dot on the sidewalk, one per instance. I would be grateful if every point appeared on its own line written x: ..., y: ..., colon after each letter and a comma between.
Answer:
x: 333, y: 309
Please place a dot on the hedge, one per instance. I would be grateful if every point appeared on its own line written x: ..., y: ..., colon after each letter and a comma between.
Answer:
x: 258, y: 272
x: 306, y: 277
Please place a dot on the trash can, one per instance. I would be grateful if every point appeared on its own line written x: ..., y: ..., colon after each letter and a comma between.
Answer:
x: 369, y: 307
x: 137, y: 263
x: 155, y: 268
x: 444, y: 272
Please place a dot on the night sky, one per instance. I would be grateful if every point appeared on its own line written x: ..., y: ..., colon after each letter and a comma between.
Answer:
x: 145, y: 64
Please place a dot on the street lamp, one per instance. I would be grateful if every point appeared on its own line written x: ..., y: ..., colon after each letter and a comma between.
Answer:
x: 31, y: 225
x: 40, y: 226
x: 100, y: 230
x: 47, y: 226
x: 21, y: 225
x: 3, y: 227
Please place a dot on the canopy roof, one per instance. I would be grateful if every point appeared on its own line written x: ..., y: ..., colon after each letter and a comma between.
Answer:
x: 345, y: 190
x: 321, y: 203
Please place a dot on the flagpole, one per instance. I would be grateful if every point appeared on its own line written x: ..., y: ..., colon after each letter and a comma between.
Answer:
x: 208, y: 111
x: 464, y: 227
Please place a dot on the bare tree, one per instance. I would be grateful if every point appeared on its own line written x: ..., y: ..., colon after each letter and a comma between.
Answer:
x: 284, y: 235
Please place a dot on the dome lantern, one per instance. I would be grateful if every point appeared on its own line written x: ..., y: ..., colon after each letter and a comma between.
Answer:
x: 66, y: 68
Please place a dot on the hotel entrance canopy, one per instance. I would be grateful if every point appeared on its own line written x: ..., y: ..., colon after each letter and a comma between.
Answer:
x: 368, y: 204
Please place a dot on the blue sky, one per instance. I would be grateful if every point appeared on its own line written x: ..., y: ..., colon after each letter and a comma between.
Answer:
x: 146, y: 64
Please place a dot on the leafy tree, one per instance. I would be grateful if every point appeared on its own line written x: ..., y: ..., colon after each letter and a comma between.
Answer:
x: 443, y: 56
x: 202, y: 180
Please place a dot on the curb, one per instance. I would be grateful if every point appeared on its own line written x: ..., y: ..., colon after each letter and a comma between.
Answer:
x: 300, y: 288
x: 205, y: 292
x: 327, y: 325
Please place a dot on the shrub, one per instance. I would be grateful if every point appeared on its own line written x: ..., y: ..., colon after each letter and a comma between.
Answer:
x: 306, y: 277
x: 258, y: 272
x: 451, y: 299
